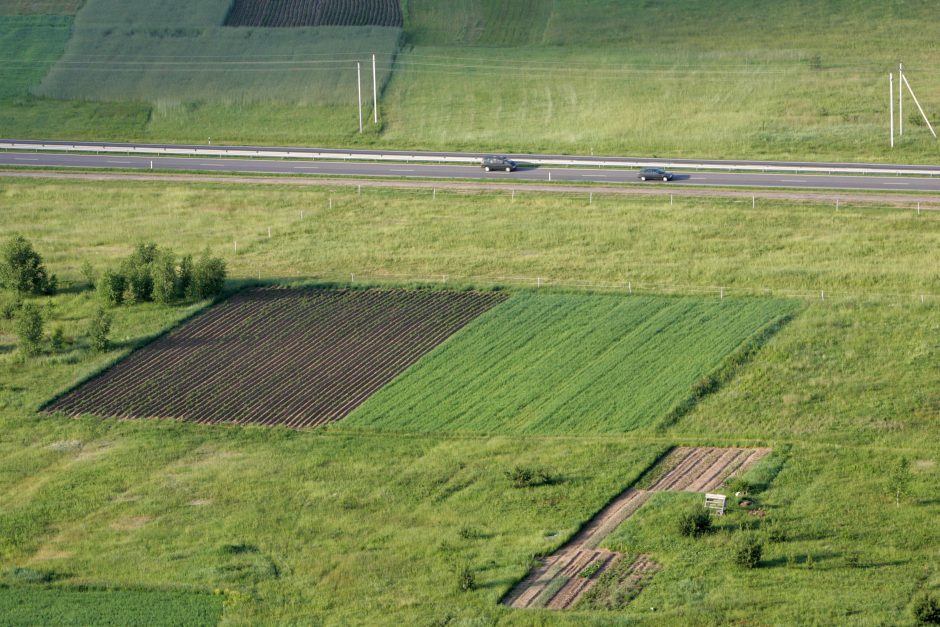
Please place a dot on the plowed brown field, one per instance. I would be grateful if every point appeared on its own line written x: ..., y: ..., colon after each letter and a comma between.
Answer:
x: 557, y: 583
x: 279, y: 356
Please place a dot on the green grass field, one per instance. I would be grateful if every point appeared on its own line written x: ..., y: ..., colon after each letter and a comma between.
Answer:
x: 356, y: 526
x: 568, y: 364
x: 32, y: 606
x: 725, y: 79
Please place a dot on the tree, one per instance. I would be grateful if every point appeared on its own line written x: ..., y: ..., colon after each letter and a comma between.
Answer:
x: 98, y: 330
x: 208, y: 277
x: 29, y: 328
x: 899, y: 480
x: 22, y: 269
x: 184, y: 277
x: 164, y: 278
x: 138, y: 270
x: 111, y: 286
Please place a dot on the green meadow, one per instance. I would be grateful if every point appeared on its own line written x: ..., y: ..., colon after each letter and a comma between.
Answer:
x: 362, y: 524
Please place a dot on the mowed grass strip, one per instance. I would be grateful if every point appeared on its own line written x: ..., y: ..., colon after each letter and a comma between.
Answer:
x: 57, y: 606
x: 292, y: 357
x: 562, y: 363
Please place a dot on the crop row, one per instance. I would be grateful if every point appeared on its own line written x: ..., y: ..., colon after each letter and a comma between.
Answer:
x: 279, y: 356
x: 285, y: 13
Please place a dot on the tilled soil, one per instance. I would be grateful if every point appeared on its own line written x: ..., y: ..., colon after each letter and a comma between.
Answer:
x: 279, y: 356
x: 557, y: 583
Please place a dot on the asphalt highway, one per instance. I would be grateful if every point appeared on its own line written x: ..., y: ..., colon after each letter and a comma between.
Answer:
x: 456, y: 171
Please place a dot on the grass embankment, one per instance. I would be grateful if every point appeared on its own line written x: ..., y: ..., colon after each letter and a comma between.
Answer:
x: 568, y: 364
x: 303, y: 524
x: 733, y: 78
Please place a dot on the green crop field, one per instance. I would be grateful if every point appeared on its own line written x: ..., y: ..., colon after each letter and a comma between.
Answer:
x: 568, y: 364
x: 354, y: 525
x: 35, y: 605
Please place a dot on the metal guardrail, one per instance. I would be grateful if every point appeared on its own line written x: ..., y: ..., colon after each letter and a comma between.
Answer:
x: 428, y: 158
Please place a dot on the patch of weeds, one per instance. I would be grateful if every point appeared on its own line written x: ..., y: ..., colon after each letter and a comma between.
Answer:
x: 528, y: 477
x: 694, y: 522
x: 30, y: 575
x: 590, y: 570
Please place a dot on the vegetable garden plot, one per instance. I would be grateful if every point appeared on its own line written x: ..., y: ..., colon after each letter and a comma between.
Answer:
x: 277, y: 356
x: 281, y: 13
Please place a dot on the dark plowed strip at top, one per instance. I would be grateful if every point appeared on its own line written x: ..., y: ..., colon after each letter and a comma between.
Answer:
x: 278, y: 356
x: 287, y: 13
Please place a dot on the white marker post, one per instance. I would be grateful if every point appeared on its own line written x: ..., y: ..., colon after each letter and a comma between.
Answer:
x: 375, y: 94
x: 359, y: 88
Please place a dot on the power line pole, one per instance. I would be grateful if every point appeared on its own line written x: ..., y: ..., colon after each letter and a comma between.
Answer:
x: 375, y: 93
x: 891, y: 103
x: 359, y: 87
x: 900, y: 99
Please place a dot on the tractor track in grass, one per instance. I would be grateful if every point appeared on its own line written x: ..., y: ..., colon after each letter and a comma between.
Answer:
x: 557, y: 583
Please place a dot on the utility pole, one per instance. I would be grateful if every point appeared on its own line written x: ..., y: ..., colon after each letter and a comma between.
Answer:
x: 375, y: 94
x: 359, y: 88
x: 900, y: 99
x: 919, y: 108
x: 891, y: 103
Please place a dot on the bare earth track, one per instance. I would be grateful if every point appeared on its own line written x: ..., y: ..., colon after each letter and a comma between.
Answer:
x: 278, y: 356
x: 557, y: 583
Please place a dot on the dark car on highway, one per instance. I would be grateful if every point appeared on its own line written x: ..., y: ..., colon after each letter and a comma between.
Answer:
x: 498, y: 163
x: 654, y: 174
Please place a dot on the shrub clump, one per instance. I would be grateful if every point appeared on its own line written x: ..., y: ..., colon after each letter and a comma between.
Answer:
x: 694, y: 522
x: 748, y: 551
x: 152, y: 274
x: 527, y: 477
x: 22, y: 269
x: 926, y: 609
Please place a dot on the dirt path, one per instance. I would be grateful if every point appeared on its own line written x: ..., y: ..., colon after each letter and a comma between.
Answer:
x: 572, y: 570
x: 927, y: 202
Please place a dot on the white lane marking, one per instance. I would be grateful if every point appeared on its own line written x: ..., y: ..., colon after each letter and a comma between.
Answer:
x: 25, y: 159
x: 399, y: 170
x: 212, y: 165
x: 792, y: 180
x: 123, y: 162
x: 890, y: 183
x: 306, y: 167
x: 597, y: 175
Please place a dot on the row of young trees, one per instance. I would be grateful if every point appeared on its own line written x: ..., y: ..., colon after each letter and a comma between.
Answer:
x: 148, y: 274
x: 157, y: 275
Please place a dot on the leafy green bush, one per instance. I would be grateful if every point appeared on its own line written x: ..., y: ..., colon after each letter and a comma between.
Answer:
x: 111, y: 286
x: 527, y: 477
x: 22, y: 269
x: 748, y: 551
x: 466, y: 579
x: 29, y: 329
x: 926, y: 609
x: 57, y: 339
x: 208, y: 277
x: 98, y: 330
x: 694, y: 522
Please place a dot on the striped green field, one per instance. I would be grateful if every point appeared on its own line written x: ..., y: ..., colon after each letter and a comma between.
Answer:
x: 179, y: 51
x: 563, y: 363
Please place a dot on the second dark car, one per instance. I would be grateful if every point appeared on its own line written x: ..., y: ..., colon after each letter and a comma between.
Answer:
x: 654, y: 174
x: 498, y: 163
